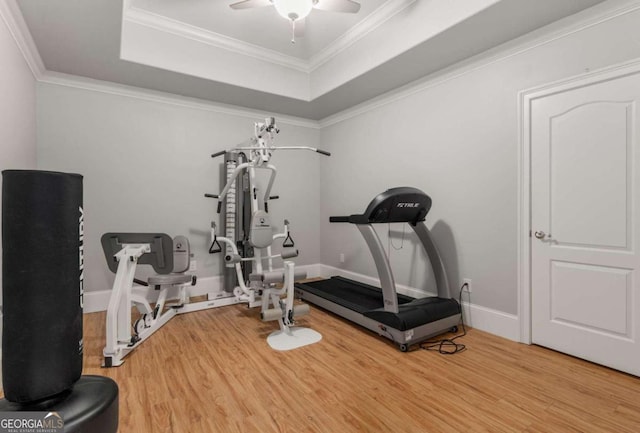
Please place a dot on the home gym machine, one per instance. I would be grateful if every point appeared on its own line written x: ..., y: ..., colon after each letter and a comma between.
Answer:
x: 248, y: 240
x: 249, y: 236
x: 402, y: 319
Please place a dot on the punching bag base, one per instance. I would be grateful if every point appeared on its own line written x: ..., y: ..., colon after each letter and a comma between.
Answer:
x: 90, y: 406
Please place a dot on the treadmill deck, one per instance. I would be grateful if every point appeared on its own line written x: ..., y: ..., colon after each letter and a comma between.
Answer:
x: 368, y: 301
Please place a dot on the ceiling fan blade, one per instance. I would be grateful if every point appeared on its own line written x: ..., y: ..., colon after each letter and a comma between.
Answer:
x: 300, y: 26
x: 348, y: 6
x: 246, y: 4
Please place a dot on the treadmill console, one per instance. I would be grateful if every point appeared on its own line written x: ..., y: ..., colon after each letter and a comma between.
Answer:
x: 403, y: 204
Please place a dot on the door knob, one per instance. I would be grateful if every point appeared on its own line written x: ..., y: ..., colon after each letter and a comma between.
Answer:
x: 540, y: 234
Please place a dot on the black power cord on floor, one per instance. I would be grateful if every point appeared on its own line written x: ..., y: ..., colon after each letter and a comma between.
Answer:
x: 448, y: 346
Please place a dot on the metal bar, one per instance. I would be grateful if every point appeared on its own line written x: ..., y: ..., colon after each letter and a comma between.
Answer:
x: 387, y: 283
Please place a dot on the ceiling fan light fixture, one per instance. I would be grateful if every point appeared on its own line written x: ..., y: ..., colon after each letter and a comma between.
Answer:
x: 293, y: 9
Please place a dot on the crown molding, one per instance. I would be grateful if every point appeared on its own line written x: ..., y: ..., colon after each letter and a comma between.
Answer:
x: 65, y: 80
x: 159, y: 22
x: 374, y: 20
x: 179, y: 28
x: 12, y: 16
x: 521, y: 45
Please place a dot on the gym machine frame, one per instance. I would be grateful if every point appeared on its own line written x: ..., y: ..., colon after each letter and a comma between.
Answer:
x: 246, y: 278
x: 124, y: 251
x: 248, y: 242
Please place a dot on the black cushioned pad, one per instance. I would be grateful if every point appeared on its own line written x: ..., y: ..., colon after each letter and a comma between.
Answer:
x: 416, y: 313
x: 350, y: 294
x: 91, y: 406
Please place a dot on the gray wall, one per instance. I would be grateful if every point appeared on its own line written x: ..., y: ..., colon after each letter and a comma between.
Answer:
x: 146, y: 166
x: 457, y: 140
x: 17, y: 110
x: 146, y: 163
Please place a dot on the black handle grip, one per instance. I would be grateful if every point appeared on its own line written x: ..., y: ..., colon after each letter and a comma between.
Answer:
x: 215, y: 246
x: 288, y: 242
x: 211, y: 195
x: 215, y: 155
x: 323, y: 152
x: 140, y: 282
x: 339, y: 219
x: 219, y: 207
x: 274, y: 197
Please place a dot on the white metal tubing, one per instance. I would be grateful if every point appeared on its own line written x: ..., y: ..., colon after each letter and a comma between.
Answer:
x: 162, y: 297
x: 232, y: 179
x: 120, y: 295
x: 266, y: 293
x: 141, y: 303
x: 275, y: 300
x: 231, y: 244
x: 205, y: 305
x: 288, y: 284
x: 272, y: 179
x: 284, y: 234
x: 274, y: 148
x: 257, y: 253
x: 124, y: 306
x: 157, y: 324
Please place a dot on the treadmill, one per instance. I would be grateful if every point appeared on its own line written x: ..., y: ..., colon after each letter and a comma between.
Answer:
x: 402, y: 319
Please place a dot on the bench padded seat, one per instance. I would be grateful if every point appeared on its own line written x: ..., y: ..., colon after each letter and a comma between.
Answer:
x: 160, y: 280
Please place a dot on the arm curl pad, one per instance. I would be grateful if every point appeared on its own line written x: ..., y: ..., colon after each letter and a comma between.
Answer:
x: 288, y: 253
x: 278, y: 276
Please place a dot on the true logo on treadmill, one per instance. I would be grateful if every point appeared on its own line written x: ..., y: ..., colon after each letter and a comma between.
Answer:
x: 410, y: 205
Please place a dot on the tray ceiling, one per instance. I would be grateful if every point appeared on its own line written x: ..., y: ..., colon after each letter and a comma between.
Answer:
x: 203, y: 49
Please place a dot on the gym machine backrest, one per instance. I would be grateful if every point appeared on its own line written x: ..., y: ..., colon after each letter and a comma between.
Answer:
x: 168, y: 258
x: 160, y: 256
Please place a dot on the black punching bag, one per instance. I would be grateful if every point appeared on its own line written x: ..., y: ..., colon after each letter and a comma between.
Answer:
x: 42, y: 279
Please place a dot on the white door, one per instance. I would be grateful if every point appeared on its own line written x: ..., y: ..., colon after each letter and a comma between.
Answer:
x: 585, y: 215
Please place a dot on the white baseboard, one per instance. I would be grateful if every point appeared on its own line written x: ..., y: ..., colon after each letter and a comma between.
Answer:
x: 492, y: 321
x: 478, y: 317
x: 330, y: 271
x: 95, y: 301
x: 99, y: 300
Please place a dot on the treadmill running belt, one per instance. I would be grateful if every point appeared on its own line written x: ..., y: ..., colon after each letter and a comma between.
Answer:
x: 350, y: 294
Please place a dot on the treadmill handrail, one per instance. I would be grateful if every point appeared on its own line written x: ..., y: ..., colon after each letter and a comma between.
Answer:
x: 387, y: 282
x: 339, y: 219
x: 437, y: 265
x: 357, y: 219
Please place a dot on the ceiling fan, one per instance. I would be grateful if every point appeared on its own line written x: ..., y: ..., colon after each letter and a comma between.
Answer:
x: 297, y: 10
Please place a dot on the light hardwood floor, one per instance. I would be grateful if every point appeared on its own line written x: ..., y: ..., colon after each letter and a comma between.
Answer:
x: 212, y: 371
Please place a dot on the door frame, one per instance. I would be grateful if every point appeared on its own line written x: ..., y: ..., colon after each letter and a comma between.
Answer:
x: 525, y: 100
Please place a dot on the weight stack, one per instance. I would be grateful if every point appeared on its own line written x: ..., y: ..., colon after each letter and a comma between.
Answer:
x: 42, y: 278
